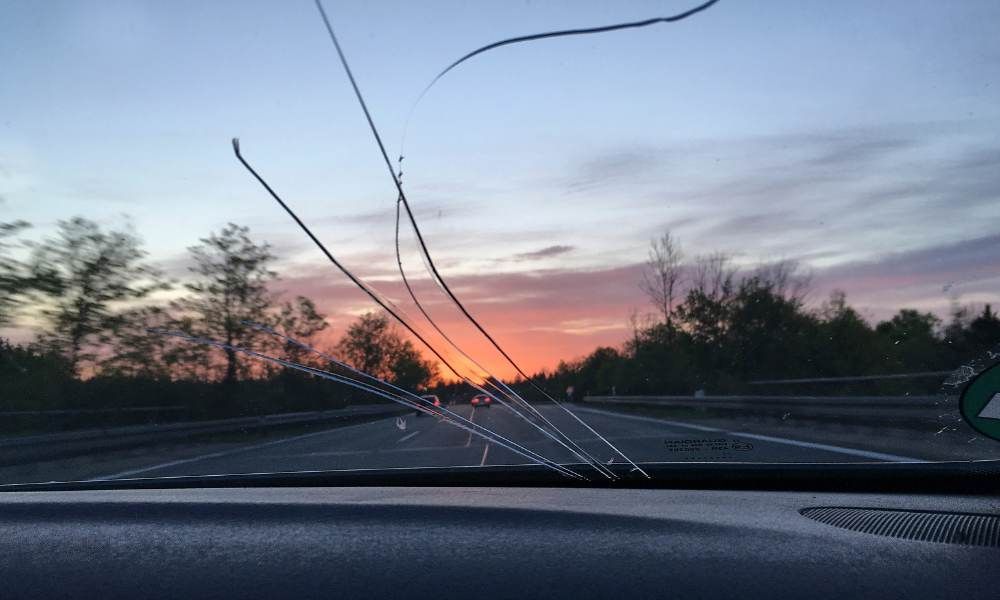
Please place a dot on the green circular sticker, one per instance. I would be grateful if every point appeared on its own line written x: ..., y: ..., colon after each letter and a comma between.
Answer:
x: 980, y: 403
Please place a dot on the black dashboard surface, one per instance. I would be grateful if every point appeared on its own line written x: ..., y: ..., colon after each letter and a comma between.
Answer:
x: 369, y: 542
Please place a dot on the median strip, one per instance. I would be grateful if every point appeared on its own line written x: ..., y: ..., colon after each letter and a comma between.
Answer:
x: 407, y: 436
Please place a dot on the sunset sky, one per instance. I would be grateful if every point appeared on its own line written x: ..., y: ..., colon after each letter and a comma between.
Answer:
x: 860, y: 138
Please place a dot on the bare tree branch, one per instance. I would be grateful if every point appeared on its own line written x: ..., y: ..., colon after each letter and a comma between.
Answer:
x: 663, y: 275
x: 714, y: 276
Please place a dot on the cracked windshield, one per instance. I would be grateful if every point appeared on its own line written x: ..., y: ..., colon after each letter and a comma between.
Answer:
x: 587, y: 239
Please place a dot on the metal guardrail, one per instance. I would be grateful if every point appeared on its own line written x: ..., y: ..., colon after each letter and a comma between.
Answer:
x: 20, y: 449
x: 198, y: 426
x: 762, y: 400
x: 919, y: 412
x: 91, y: 411
x: 853, y: 378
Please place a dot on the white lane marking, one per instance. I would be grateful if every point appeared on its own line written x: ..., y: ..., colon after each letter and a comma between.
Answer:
x: 828, y: 447
x: 407, y: 436
x: 764, y: 438
x: 472, y: 416
x: 403, y: 450
x: 184, y: 461
x: 598, y: 411
x: 486, y: 451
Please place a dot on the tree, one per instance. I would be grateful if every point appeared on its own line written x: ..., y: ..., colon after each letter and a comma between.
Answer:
x: 372, y: 345
x: 970, y: 336
x: 846, y: 344
x: 785, y: 278
x: 17, y: 279
x: 31, y: 378
x: 909, y: 325
x: 599, y: 371
x: 93, y: 273
x: 662, y: 275
x: 984, y: 330
x: 137, y: 352
x: 912, y: 341
x: 409, y: 370
x: 705, y: 310
x: 767, y: 334
x: 230, y: 289
x: 12, y: 274
x: 956, y: 332
x: 301, y: 321
x: 368, y: 344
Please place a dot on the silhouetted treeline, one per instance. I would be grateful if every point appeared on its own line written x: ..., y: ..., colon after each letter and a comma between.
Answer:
x: 97, y: 313
x: 34, y: 382
x: 96, y: 310
x: 718, y: 329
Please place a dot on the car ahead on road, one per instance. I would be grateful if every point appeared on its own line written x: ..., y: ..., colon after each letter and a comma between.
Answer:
x: 481, y: 400
x: 433, y: 399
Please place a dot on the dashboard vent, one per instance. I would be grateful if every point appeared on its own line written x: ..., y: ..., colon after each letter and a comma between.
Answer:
x: 924, y: 526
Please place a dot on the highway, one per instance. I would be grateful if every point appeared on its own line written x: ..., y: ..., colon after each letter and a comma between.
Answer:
x: 427, y: 442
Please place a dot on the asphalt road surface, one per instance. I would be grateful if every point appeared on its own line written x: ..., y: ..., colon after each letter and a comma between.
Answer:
x: 427, y: 442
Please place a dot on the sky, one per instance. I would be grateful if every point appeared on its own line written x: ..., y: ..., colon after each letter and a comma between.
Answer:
x: 859, y: 138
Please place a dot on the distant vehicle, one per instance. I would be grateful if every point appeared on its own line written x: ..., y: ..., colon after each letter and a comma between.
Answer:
x: 482, y: 400
x: 430, y: 398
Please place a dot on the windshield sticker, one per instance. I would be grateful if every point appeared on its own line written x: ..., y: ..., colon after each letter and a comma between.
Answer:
x: 980, y: 403
x: 707, y: 449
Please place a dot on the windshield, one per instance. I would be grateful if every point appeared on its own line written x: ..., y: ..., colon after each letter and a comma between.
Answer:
x: 595, y: 238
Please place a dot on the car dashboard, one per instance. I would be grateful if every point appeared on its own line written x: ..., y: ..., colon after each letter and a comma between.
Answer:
x: 493, y: 542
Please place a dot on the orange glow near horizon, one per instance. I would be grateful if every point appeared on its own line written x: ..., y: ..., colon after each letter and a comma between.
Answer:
x: 539, y: 318
x: 539, y: 346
